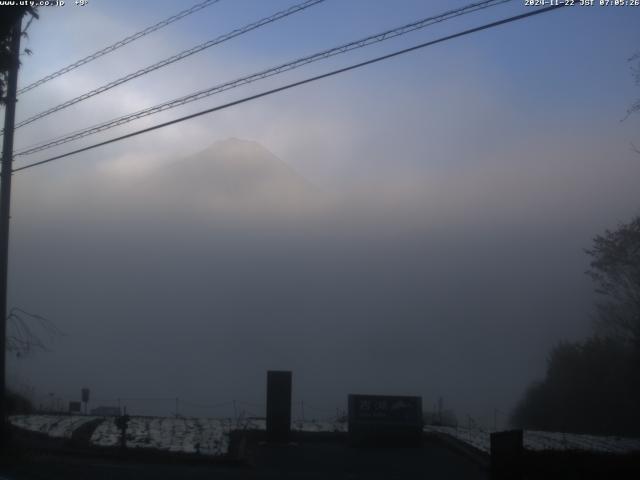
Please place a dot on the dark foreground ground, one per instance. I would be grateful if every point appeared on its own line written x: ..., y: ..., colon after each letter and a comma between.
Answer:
x: 308, y: 456
x: 305, y: 460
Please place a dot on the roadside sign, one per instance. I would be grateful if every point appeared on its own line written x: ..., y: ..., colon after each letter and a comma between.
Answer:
x: 385, y: 419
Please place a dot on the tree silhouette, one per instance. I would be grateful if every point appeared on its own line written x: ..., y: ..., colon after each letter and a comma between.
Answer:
x: 589, y: 388
x: 594, y: 386
x: 7, y: 20
x: 615, y: 269
x: 635, y: 71
x: 634, y: 62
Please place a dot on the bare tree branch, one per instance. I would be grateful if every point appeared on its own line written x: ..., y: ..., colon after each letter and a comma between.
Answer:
x: 28, y: 332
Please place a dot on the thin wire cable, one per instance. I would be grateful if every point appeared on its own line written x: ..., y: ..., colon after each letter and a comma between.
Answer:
x: 118, y: 44
x: 206, y: 407
x: 296, y: 84
x: 255, y: 405
x: 379, y: 37
x: 175, y: 58
x: 148, y: 398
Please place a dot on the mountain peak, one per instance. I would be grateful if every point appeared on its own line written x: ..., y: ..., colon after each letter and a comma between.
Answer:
x: 234, y: 173
x: 236, y: 149
x: 234, y: 142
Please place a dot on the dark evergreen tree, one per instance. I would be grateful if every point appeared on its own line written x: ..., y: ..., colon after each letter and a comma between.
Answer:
x: 8, y: 17
x: 594, y: 386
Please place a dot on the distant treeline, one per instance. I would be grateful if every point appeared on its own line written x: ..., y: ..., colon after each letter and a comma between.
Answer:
x: 593, y: 386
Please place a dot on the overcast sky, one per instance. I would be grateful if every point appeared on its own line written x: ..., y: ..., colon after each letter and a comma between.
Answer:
x: 431, y: 238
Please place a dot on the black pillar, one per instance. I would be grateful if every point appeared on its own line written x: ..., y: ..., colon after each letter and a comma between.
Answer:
x: 278, y: 406
x: 507, y: 454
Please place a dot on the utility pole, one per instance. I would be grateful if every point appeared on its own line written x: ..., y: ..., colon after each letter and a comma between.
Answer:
x: 5, y: 210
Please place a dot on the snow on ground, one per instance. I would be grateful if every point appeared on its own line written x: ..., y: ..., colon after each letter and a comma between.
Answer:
x: 534, y: 440
x: 210, y: 436
x: 539, y: 441
x: 315, y: 426
x: 252, y: 424
x: 476, y: 438
x: 58, y: 426
x: 106, y: 434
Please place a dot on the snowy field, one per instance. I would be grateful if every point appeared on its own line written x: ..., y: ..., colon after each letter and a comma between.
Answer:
x: 566, y: 441
x: 539, y: 441
x: 58, y: 426
x: 475, y: 438
x: 210, y: 436
x: 313, y: 426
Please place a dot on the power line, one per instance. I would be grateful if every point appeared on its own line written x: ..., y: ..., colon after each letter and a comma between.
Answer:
x: 120, y: 43
x: 203, y: 406
x: 376, y: 38
x: 168, y: 61
x: 250, y: 404
x: 379, y: 37
x: 297, y: 84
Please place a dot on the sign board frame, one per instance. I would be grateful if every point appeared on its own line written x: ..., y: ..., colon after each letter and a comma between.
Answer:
x: 385, y: 420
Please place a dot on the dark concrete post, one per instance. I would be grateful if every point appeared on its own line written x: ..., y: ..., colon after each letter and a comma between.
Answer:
x: 507, y: 454
x: 278, y: 406
x: 122, y: 423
